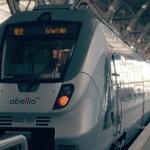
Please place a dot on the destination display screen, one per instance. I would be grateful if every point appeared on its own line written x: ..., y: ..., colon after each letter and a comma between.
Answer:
x: 53, y: 28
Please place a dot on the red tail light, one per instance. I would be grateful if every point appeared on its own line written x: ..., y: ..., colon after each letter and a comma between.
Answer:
x: 64, y: 96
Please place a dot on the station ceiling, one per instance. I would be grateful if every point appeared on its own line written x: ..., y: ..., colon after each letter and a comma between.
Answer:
x: 131, y: 18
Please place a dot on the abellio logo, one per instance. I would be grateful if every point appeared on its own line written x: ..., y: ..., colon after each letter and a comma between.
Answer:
x: 26, y: 100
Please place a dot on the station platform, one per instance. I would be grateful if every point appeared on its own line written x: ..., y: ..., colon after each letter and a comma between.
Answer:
x: 143, y: 140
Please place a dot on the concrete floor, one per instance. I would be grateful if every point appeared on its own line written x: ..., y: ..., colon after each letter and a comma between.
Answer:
x: 143, y: 140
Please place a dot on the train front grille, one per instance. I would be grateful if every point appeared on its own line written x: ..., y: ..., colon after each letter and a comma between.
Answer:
x: 42, y: 120
x: 24, y: 120
x: 5, y: 120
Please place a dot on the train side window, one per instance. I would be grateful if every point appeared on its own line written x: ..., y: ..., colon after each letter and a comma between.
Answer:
x: 127, y: 76
x: 123, y: 67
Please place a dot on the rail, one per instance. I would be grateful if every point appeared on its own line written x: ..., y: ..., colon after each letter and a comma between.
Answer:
x: 18, y: 141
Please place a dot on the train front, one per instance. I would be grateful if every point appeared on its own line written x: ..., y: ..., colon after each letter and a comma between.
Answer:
x: 42, y: 53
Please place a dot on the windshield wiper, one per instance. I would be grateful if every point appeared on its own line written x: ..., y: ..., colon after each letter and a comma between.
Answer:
x: 24, y: 77
x: 33, y: 76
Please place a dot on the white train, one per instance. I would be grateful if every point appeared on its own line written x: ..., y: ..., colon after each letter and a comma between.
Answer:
x: 65, y: 83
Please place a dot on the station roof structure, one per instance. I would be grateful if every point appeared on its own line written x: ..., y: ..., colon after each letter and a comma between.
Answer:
x: 131, y: 18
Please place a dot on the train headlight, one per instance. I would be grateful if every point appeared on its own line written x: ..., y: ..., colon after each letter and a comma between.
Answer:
x: 64, y: 96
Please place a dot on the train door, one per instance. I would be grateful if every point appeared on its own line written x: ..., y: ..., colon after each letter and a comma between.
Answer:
x: 116, y: 113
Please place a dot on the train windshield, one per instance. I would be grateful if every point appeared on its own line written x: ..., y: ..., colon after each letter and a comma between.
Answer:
x: 34, y: 55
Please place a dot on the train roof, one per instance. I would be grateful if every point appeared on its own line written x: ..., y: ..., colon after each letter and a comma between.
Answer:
x: 118, y: 47
x: 62, y: 12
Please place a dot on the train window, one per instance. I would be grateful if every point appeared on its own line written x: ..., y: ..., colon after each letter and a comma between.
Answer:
x: 28, y: 56
x: 36, y: 59
x: 130, y: 79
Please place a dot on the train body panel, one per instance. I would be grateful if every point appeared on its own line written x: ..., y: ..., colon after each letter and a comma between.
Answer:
x: 60, y: 72
x: 41, y: 101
